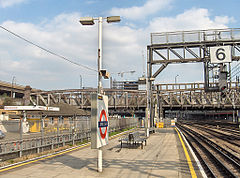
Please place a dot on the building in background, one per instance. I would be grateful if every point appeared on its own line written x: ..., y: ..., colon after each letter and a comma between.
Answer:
x: 125, y: 85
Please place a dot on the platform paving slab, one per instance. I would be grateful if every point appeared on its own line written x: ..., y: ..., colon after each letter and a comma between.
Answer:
x: 162, y: 157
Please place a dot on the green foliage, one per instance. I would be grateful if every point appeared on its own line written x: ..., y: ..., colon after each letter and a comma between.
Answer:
x: 4, y: 95
x: 117, y: 132
x: 11, y: 161
x: 83, y: 142
x: 114, y: 133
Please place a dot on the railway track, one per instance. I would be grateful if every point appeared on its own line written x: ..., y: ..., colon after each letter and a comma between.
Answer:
x: 216, y: 161
x: 233, y: 130
x: 229, y: 137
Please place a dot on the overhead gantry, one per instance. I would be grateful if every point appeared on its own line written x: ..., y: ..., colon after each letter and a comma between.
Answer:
x: 194, y: 47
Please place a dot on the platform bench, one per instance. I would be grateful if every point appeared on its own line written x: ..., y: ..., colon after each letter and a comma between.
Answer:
x: 152, y: 130
x: 133, y: 138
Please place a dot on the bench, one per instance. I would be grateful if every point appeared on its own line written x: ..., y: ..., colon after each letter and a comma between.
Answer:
x: 151, y: 130
x: 133, y: 138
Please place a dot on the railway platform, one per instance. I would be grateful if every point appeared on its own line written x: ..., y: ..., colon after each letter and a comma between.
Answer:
x: 163, y: 156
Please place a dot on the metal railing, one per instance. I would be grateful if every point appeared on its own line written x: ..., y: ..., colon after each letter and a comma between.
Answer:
x: 195, y: 36
x: 46, y: 140
x: 185, y: 87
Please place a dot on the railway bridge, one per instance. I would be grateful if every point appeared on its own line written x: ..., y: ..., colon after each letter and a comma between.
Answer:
x: 188, y: 96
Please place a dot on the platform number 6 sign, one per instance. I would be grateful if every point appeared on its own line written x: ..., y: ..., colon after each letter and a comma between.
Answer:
x: 220, y: 54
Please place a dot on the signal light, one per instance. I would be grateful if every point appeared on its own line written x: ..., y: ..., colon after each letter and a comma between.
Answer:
x: 223, y: 90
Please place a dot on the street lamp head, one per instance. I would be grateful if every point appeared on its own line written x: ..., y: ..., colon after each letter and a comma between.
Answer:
x: 113, y: 19
x: 90, y: 20
x: 86, y: 21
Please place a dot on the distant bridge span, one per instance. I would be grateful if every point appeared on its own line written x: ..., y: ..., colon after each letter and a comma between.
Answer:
x: 182, y: 96
x: 19, y: 90
x: 189, y: 96
x: 117, y: 99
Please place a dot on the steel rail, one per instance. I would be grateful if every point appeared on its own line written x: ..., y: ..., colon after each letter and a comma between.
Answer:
x: 209, y: 172
x: 232, y: 130
x: 219, y: 135
x: 218, y: 163
x: 236, y: 133
x: 233, y: 158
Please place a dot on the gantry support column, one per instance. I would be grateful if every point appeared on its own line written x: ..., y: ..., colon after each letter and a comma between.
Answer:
x: 149, y: 85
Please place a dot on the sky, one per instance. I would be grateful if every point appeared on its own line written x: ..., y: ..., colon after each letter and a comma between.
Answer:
x: 54, y: 25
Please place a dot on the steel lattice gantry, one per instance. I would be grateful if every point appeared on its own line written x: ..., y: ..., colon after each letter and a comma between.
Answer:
x: 187, y: 47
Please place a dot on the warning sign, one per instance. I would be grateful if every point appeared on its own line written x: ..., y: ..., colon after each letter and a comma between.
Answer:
x: 99, y: 120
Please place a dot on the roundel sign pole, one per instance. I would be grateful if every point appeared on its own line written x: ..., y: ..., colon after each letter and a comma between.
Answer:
x: 99, y: 124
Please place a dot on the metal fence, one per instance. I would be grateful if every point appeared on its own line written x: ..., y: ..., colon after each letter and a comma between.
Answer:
x: 47, y: 134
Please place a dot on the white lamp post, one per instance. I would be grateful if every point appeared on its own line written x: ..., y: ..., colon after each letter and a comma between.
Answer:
x: 81, y: 81
x: 176, y: 78
x: 101, y: 72
x: 90, y: 21
x: 12, y: 90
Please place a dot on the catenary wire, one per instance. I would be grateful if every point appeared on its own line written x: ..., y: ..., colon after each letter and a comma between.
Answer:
x: 46, y: 50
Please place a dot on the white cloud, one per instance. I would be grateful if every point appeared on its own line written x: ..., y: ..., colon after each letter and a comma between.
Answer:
x: 122, y: 49
x: 8, y: 3
x: 224, y: 19
x: 63, y: 35
x: 193, y: 19
x: 139, y: 12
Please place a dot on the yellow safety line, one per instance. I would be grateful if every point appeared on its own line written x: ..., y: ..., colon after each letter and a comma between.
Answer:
x: 50, y: 156
x: 53, y: 155
x: 187, y: 156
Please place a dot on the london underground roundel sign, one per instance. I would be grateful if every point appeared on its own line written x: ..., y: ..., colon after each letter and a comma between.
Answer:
x: 99, y: 120
x: 103, y: 124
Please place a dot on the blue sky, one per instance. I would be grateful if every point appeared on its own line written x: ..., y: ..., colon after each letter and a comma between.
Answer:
x: 35, y: 11
x: 54, y: 25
